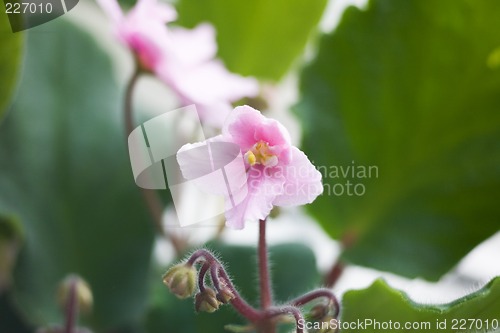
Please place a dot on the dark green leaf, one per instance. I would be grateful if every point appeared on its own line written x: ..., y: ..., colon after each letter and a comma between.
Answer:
x: 261, y: 38
x: 478, y: 311
x: 11, y: 236
x: 11, y: 321
x: 10, y: 61
x: 65, y: 173
x: 411, y: 89
x: 10, y: 228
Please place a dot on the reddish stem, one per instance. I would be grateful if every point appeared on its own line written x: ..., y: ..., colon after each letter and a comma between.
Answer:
x: 71, y: 308
x: 201, y: 276
x: 214, y: 273
x: 264, y: 277
x: 151, y: 198
x: 334, y: 274
x: 347, y: 241
x: 287, y: 310
x: 315, y: 294
x: 245, y: 309
x: 200, y: 255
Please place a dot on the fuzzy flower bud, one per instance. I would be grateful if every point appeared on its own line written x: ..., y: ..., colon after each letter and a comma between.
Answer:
x: 319, y: 311
x: 80, y: 288
x: 181, y: 280
x: 206, y: 301
x: 225, y: 295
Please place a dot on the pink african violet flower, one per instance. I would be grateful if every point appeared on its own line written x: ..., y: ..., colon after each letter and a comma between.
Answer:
x: 198, y: 78
x: 278, y: 174
x: 183, y: 58
x: 143, y: 29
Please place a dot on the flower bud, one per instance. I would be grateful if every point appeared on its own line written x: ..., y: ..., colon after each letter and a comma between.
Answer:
x: 225, y: 295
x: 206, y: 301
x: 181, y: 280
x: 319, y: 311
x: 76, y: 284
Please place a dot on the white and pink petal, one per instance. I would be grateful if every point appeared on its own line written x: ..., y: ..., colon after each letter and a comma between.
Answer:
x: 302, y: 181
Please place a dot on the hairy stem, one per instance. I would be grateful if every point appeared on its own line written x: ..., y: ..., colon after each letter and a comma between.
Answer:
x: 315, y: 294
x: 264, y: 277
x: 71, y: 308
x: 334, y: 274
x: 245, y: 309
x: 151, y: 198
x: 201, y: 276
x: 287, y: 310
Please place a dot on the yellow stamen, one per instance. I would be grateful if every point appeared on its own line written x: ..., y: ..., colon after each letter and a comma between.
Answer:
x: 261, y: 154
x: 250, y: 157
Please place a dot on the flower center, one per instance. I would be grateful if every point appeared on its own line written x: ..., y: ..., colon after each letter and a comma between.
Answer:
x: 146, y: 53
x: 261, y: 154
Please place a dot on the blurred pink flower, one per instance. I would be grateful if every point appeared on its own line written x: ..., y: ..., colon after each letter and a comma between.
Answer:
x: 143, y: 29
x: 198, y: 78
x: 183, y: 58
x: 278, y: 174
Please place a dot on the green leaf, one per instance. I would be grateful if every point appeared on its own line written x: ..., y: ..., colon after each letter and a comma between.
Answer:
x: 64, y: 171
x: 11, y: 237
x: 10, y: 229
x: 293, y: 270
x: 407, y: 92
x: 11, y: 319
x: 10, y: 61
x: 260, y: 38
x: 380, y: 303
